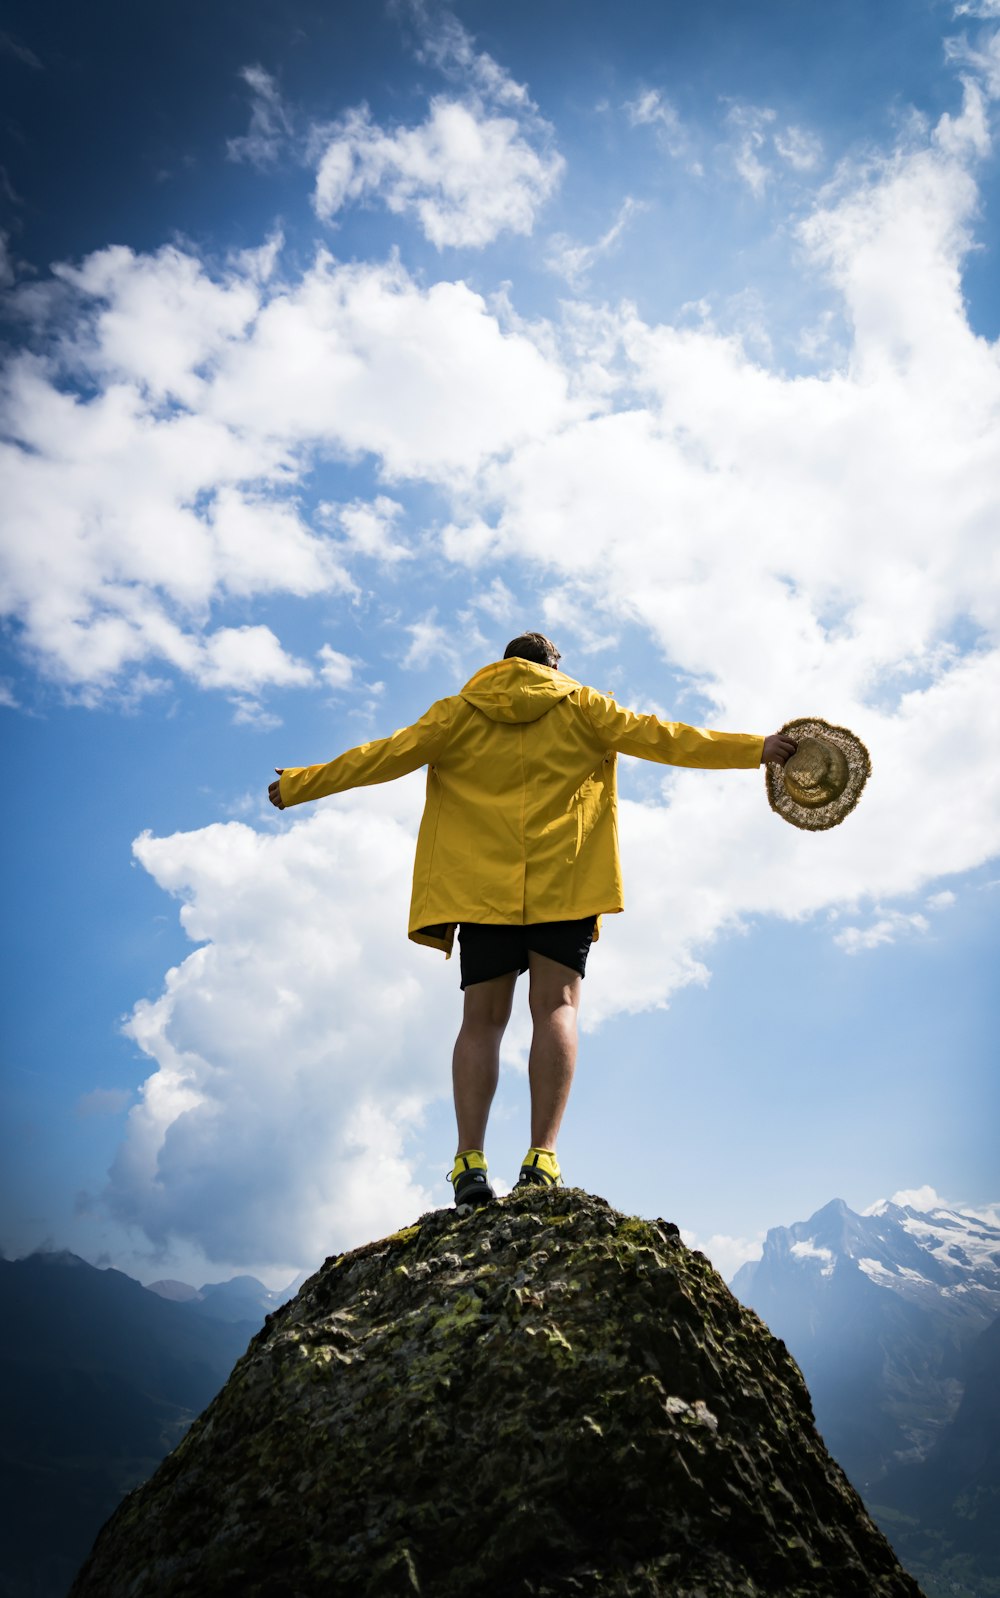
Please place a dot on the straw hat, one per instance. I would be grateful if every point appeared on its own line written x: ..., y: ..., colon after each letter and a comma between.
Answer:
x: 822, y: 781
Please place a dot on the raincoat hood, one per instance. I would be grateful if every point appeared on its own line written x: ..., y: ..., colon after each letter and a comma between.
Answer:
x: 517, y: 690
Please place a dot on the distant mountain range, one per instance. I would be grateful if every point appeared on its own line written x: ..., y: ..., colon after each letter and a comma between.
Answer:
x: 242, y: 1298
x: 99, y: 1378
x: 893, y: 1319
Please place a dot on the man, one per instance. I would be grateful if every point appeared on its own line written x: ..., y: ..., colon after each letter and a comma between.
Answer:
x: 518, y: 850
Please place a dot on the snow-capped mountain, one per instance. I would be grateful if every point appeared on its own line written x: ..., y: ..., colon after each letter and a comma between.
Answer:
x: 879, y: 1310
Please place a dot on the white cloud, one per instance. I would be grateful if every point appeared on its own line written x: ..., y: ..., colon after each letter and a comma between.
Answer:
x: 651, y: 109
x: 573, y: 261
x: 429, y: 641
x: 927, y: 1199
x: 363, y: 359
x: 451, y: 48
x: 942, y: 901
x: 982, y: 59
x: 249, y: 712
x: 248, y: 658
x: 800, y: 148
x: 752, y: 124
x: 977, y: 8
x: 336, y: 669
x: 919, y: 1198
x: 367, y: 528
x: 270, y: 122
x: 496, y: 601
x: 289, y: 1072
x: 465, y: 174
x: 757, y: 135
x: 134, y: 509
x: 884, y: 929
x: 811, y: 1251
x: 726, y: 1253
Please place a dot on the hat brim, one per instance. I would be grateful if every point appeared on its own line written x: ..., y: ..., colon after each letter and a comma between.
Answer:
x: 821, y: 817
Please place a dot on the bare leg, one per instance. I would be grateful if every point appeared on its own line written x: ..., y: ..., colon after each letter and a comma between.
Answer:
x: 554, y: 999
x: 475, y: 1064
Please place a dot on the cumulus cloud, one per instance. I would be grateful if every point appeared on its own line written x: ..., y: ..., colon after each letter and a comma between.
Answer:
x: 726, y: 1253
x: 154, y: 445
x: 466, y: 174
x: 429, y: 641
x: 248, y: 658
x: 481, y: 163
x: 496, y: 601
x: 288, y: 1074
x: 367, y: 528
x: 336, y: 669
x: 919, y: 1198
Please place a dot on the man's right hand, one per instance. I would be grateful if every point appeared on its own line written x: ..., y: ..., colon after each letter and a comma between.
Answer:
x: 274, y: 790
x: 777, y: 748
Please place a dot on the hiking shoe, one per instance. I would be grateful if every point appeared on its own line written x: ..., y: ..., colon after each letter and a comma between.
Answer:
x: 540, y: 1168
x: 469, y: 1179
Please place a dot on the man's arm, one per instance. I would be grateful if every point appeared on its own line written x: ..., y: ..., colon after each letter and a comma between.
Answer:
x: 404, y: 751
x: 673, y: 743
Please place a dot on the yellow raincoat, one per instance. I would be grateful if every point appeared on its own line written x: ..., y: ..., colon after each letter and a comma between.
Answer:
x: 520, y: 822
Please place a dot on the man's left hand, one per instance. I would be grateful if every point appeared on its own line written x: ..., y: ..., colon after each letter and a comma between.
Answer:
x: 274, y: 791
x: 777, y: 747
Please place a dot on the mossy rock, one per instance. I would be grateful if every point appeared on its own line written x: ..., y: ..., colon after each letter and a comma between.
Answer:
x: 540, y: 1398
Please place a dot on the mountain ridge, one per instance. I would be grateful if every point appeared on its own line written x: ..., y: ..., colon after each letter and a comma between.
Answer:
x: 99, y: 1377
x: 880, y: 1310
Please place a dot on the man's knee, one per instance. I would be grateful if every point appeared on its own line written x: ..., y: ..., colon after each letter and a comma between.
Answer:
x: 552, y: 987
x: 488, y: 1004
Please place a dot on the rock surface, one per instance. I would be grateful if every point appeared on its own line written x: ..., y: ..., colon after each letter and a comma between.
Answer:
x: 544, y: 1397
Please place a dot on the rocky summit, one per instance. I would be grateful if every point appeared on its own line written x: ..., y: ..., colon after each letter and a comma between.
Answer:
x: 541, y: 1397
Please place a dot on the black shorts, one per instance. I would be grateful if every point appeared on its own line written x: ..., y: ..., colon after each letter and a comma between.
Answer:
x: 489, y: 951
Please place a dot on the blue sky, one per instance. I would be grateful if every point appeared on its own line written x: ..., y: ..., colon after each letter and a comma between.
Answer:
x: 339, y: 345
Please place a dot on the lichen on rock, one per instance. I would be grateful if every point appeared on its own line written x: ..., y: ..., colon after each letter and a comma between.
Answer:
x: 544, y: 1397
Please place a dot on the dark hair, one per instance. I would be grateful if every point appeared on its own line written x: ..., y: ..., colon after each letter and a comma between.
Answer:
x: 533, y: 646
